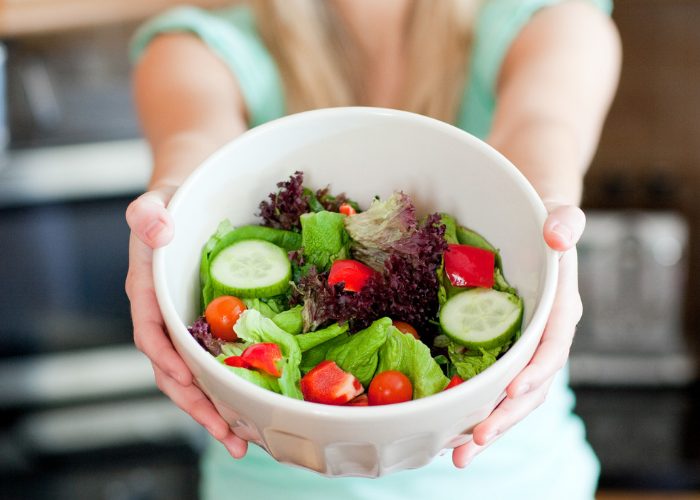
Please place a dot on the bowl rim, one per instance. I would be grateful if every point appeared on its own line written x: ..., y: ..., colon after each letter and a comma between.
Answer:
x: 218, y: 371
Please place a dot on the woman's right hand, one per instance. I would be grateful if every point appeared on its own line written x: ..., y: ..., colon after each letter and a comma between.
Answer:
x: 152, y: 227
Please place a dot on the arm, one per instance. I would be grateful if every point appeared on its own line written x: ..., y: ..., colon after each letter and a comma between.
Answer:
x: 189, y: 105
x: 554, y: 90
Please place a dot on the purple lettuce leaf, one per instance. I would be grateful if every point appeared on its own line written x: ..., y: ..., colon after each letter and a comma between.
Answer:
x: 202, y: 333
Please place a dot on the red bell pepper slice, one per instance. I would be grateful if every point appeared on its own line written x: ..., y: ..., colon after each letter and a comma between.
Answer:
x: 351, y: 272
x: 236, y: 361
x: 264, y: 356
x: 328, y: 384
x: 466, y: 265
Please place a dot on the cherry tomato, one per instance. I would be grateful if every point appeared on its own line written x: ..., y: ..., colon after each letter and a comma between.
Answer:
x: 221, y: 314
x: 389, y: 387
x: 454, y: 381
x: 347, y: 209
x: 351, y: 272
x: 406, y: 328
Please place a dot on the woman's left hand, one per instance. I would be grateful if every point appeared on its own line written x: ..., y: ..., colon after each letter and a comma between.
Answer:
x: 528, y: 390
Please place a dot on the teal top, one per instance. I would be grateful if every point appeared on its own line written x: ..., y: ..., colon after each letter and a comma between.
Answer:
x: 544, y: 457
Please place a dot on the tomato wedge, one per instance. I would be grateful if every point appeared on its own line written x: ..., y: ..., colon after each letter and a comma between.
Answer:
x: 236, y: 361
x: 352, y: 273
x: 466, y: 265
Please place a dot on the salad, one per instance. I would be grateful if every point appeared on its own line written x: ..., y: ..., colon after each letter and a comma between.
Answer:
x: 332, y: 304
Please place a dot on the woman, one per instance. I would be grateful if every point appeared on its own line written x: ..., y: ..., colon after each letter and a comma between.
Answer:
x: 532, y: 77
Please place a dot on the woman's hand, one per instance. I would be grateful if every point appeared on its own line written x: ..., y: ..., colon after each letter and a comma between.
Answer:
x: 152, y: 227
x: 528, y: 390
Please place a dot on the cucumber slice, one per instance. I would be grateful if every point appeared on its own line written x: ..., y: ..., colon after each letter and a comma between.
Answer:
x: 251, y: 269
x: 481, y: 317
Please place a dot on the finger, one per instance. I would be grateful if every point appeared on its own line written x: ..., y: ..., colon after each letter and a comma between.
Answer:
x: 463, y: 455
x: 554, y: 347
x: 563, y: 227
x: 149, y: 336
x: 195, y: 403
x: 148, y: 218
x: 509, y: 412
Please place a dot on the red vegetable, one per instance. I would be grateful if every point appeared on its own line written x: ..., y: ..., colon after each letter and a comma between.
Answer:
x: 454, y: 381
x: 469, y: 266
x: 221, y: 314
x: 404, y: 327
x: 264, y: 357
x: 360, y: 400
x: 351, y: 272
x: 326, y: 383
x: 389, y: 387
x: 237, y: 361
x: 347, y: 209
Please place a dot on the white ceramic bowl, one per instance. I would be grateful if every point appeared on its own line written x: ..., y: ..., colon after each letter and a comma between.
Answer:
x: 363, y: 152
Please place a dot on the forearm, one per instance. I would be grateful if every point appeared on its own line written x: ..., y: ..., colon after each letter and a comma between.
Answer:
x: 176, y: 156
x: 554, y: 91
x: 549, y: 154
x: 188, y: 103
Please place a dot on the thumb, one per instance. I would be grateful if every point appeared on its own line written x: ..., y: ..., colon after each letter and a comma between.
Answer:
x: 148, y: 218
x: 563, y: 226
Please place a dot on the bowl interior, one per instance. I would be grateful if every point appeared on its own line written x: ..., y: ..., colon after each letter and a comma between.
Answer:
x: 363, y: 152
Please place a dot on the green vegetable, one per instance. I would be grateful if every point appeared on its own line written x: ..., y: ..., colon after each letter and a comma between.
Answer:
x: 290, y: 320
x: 310, y: 340
x: 375, y: 231
x: 412, y: 358
x: 472, y: 238
x: 481, y: 317
x: 450, y: 228
x: 250, y: 269
x: 470, y: 362
x: 359, y: 355
x: 314, y: 204
x: 261, y: 379
x: 254, y: 327
x: 324, y: 239
x: 226, y: 235
x: 267, y: 307
x: 315, y: 355
x: 500, y: 283
x: 233, y: 348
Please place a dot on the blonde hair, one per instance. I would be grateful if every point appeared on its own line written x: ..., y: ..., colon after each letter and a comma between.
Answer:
x: 319, y: 62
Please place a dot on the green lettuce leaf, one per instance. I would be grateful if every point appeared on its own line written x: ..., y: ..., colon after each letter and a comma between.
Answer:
x: 233, y: 348
x: 267, y: 307
x: 412, y: 358
x: 324, y: 239
x: 312, y: 357
x: 258, y: 378
x: 290, y: 320
x: 254, y: 327
x: 225, y: 236
x: 359, y: 354
x: 310, y: 340
x: 470, y: 362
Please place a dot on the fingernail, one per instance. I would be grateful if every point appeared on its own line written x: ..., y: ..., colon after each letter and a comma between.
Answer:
x: 563, y: 232
x: 489, y: 437
x: 521, y: 389
x: 154, y: 228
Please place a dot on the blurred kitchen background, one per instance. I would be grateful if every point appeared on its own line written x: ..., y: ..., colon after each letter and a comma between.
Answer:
x: 80, y: 414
